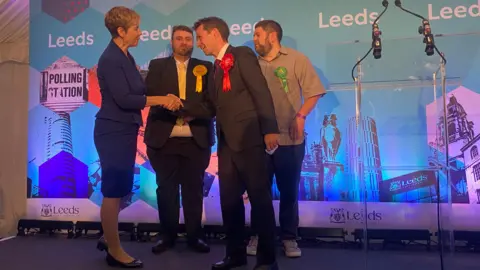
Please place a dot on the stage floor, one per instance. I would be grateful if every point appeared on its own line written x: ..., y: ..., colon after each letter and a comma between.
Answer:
x: 52, y: 253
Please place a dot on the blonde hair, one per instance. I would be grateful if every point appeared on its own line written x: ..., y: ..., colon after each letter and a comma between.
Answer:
x: 120, y: 17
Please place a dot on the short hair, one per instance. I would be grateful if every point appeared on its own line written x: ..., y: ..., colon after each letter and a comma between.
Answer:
x: 271, y: 26
x: 181, y: 28
x: 210, y: 23
x: 120, y: 16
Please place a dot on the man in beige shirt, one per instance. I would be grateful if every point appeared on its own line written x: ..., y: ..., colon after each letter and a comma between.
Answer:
x: 295, y: 88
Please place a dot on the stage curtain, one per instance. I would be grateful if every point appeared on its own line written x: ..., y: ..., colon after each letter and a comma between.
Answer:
x: 14, y: 76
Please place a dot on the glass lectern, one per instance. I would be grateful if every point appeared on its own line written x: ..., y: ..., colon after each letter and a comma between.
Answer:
x: 414, y: 128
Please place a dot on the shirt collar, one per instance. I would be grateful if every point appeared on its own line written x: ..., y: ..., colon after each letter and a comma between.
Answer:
x: 283, y: 50
x: 222, y: 52
x: 178, y: 62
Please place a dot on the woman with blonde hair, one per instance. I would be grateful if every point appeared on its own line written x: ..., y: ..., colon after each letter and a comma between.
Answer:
x: 117, y: 123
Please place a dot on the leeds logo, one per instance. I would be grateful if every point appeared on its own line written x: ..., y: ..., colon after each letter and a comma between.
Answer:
x: 337, y: 215
x: 46, y: 211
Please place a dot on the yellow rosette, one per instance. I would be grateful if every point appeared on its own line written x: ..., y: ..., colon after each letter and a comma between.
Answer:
x: 199, y: 71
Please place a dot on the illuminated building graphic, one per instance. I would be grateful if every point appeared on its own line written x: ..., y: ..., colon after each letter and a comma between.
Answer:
x: 363, y: 155
x: 321, y: 174
x: 459, y: 128
x: 463, y: 149
x: 472, y: 169
x: 327, y: 151
x: 59, y: 139
x: 63, y: 89
x: 311, y: 186
x: 59, y: 135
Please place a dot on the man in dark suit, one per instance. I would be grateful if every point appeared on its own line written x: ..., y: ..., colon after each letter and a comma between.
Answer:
x: 179, y: 146
x: 246, y: 128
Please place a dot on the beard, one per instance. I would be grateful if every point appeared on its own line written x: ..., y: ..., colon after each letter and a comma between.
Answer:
x: 183, y: 51
x: 265, y: 49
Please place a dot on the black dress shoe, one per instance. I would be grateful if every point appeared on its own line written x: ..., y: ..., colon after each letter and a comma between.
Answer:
x: 273, y: 266
x: 230, y: 263
x: 162, y: 246
x: 111, y: 261
x: 102, y: 245
x: 199, y: 245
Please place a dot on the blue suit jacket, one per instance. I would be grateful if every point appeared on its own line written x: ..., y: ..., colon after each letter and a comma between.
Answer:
x: 121, y: 85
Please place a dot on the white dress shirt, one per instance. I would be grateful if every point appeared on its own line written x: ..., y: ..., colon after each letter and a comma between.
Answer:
x: 222, y: 52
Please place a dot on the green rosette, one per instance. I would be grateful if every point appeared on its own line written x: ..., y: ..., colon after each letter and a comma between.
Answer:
x: 281, y: 73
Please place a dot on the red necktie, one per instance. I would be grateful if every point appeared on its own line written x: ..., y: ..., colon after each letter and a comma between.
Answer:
x: 216, y: 67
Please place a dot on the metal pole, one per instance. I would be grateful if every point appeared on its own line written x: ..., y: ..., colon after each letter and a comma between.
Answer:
x: 447, y: 156
x: 360, y: 166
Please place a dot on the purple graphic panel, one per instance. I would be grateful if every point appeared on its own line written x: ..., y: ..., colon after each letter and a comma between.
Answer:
x: 64, y: 10
x: 63, y: 176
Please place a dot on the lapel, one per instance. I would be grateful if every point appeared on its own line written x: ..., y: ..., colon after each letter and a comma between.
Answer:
x: 171, y: 72
x: 219, y: 73
x: 129, y: 67
x: 191, y: 79
x: 218, y: 78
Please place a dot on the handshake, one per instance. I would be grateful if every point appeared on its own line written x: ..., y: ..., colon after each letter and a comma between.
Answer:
x: 171, y: 102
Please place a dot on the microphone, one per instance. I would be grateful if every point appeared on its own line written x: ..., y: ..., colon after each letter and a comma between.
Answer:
x: 376, y: 33
x: 376, y: 41
x: 426, y: 30
x: 427, y: 37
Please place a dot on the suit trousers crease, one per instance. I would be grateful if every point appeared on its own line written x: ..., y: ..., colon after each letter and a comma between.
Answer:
x: 180, y: 163
x: 240, y: 171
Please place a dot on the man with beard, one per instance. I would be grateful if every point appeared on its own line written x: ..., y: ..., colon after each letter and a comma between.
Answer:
x: 246, y: 128
x: 178, y: 145
x: 291, y: 78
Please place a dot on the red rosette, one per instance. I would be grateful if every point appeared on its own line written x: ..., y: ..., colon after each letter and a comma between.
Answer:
x: 226, y: 64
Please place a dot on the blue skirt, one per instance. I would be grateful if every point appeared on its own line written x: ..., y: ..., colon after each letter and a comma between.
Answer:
x: 116, y: 145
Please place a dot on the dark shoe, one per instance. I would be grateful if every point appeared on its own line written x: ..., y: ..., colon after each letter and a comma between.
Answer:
x: 102, y: 245
x: 111, y: 261
x: 162, y: 246
x: 230, y: 263
x: 273, y: 266
x: 199, y: 246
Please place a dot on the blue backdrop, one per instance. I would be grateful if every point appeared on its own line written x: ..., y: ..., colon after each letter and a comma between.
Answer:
x: 402, y: 111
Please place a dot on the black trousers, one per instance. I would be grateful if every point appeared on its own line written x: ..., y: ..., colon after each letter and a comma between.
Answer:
x: 286, y: 165
x: 180, y: 162
x: 240, y: 171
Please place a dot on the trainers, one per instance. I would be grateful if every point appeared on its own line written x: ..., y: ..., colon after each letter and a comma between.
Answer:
x: 291, y: 249
x: 252, y: 246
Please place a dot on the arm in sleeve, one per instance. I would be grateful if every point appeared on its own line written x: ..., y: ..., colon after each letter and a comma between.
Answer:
x: 308, y: 78
x: 205, y: 109
x: 257, y: 85
x: 116, y: 81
